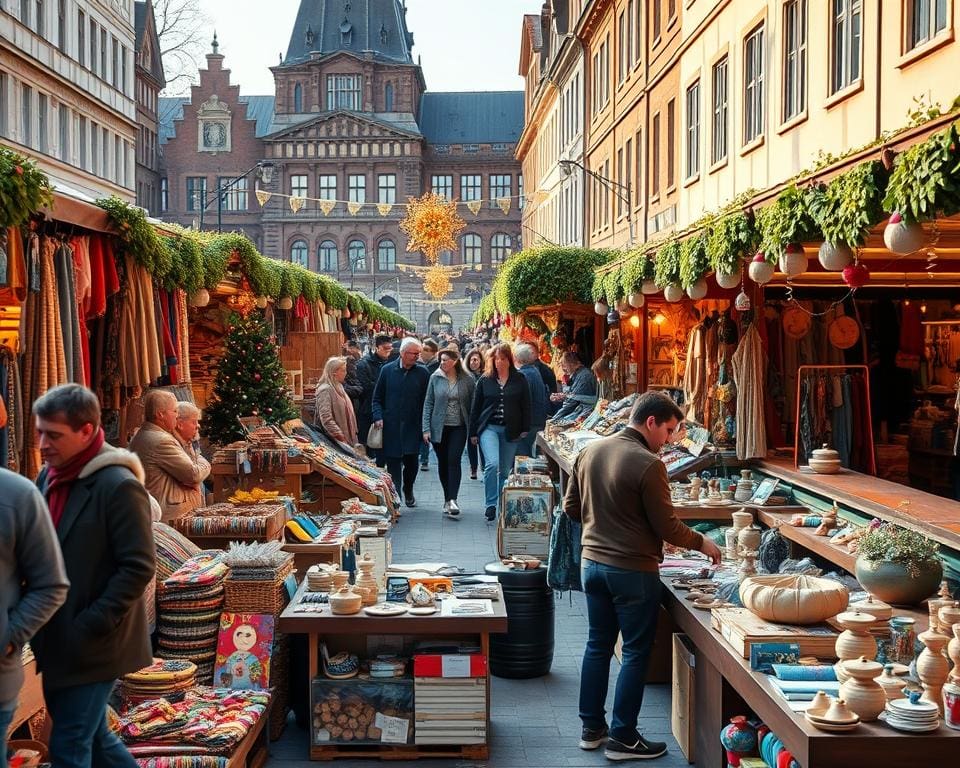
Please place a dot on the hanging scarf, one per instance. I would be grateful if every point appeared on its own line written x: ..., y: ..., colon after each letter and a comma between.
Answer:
x: 60, y: 479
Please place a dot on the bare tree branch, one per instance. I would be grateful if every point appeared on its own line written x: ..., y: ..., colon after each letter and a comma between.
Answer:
x: 181, y: 28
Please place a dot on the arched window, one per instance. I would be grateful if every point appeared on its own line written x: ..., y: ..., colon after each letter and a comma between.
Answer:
x: 327, y: 256
x: 386, y: 256
x: 471, y: 249
x: 298, y: 98
x: 445, y: 258
x: 357, y: 254
x: 500, y: 248
x: 388, y: 98
x: 298, y: 253
x: 390, y: 303
x: 440, y: 321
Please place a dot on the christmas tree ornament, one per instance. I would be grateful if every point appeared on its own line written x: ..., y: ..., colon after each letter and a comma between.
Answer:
x: 760, y: 270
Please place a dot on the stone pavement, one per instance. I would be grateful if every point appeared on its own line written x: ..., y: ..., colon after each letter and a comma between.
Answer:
x: 535, y: 722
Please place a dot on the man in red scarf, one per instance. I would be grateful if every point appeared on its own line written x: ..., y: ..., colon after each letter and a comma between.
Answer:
x: 101, y: 513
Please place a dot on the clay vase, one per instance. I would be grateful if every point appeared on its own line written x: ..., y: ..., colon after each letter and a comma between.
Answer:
x: 366, y: 584
x: 953, y: 651
x: 933, y: 667
x: 894, y: 584
x: 340, y: 579
x: 742, y: 519
x: 738, y: 739
x: 345, y: 601
x: 861, y: 692
x: 892, y: 685
x: 947, y: 616
x: 855, y: 641
x: 748, y: 540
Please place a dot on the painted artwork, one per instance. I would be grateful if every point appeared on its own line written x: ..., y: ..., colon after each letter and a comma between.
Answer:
x: 527, y: 508
x: 243, y: 651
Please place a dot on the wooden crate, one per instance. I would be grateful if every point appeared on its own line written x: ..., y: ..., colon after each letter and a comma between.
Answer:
x: 682, y: 709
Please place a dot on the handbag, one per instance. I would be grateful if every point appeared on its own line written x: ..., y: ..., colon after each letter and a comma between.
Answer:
x: 375, y: 436
x: 563, y: 565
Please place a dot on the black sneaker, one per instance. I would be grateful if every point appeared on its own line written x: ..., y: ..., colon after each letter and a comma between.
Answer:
x: 491, y: 514
x: 411, y: 501
x: 642, y: 750
x: 424, y: 467
x: 591, y: 738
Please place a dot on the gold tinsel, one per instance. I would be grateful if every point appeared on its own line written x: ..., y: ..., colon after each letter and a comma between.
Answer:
x: 431, y: 225
x: 437, y: 282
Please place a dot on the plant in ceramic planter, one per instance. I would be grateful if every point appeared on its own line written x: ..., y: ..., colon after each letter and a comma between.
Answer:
x: 786, y: 223
x: 898, y: 565
x: 847, y: 207
x: 761, y: 269
x: 902, y: 236
x: 694, y: 265
x: 24, y: 188
x: 637, y: 270
x: 544, y: 275
x: 924, y: 182
x: 667, y: 265
x: 733, y: 237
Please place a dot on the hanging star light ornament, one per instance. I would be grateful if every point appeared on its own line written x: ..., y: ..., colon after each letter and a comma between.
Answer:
x: 437, y: 282
x: 431, y: 225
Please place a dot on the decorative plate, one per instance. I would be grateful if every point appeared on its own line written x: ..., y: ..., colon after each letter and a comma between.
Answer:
x: 796, y: 322
x: 423, y: 610
x: 844, y: 332
x: 385, y: 609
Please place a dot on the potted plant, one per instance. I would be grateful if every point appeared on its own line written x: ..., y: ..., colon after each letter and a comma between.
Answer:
x: 898, y: 565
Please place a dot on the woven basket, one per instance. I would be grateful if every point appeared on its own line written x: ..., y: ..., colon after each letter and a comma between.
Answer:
x: 258, y: 596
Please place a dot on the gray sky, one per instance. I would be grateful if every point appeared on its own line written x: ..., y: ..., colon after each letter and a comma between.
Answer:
x: 465, y: 45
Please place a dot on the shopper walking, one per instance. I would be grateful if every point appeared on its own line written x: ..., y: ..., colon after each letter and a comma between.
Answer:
x: 526, y: 356
x: 430, y: 359
x: 101, y: 513
x: 619, y: 491
x: 334, y: 411
x: 351, y: 384
x: 473, y: 364
x: 446, y: 417
x: 368, y: 371
x: 499, y: 419
x: 398, y: 408
x: 33, y: 583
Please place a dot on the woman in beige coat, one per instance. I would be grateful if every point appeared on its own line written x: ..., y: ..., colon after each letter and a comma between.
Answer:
x: 334, y: 411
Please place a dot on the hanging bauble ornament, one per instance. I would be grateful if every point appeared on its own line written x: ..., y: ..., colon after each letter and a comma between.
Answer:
x: 728, y: 279
x: 856, y: 275
x: 742, y: 302
x: 613, y: 317
x: 256, y: 377
x: 201, y: 298
x: 901, y: 237
x: 835, y: 256
x: 623, y: 306
x: 760, y: 270
x: 261, y: 302
x: 637, y: 299
x: 601, y: 308
x: 649, y: 288
x: 285, y: 303
x: 793, y: 260
x: 698, y: 290
x: 673, y: 293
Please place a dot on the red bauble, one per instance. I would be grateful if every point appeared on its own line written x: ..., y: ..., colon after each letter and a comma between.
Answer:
x: 256, y: 377
x: 856, y: 275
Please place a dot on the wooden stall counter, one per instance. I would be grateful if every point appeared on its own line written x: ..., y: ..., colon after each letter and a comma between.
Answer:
x: 227, y: 479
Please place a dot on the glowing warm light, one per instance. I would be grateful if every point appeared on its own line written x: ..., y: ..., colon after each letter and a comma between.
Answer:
x: 923, y: 308
x: 635, y: 321
x: 659, y: 318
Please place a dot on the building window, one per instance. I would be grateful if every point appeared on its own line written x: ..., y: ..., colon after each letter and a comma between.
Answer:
x: 671, y: 143
x: 718, y: 139
x: 387, y: 256
x: 4, y: 102
x: 63, y: 141
x: 235, y: 196
x: 81, y: 38
x: 327, y: 256
x: 196, y: 191
x: 357, y: 254
x: 298, y: 253
x: 794, y: 58
x: 62, y: 25
x: 25, y: 12
x: 925, y: 20
x: 633, y: 31
x: 298, y: 98
x: 95, y: 149
x: 655, y: 157
x: 500, y: 248
x: 845, y: 44
x: 753, y: 86
x: 471, y: 250
x: 388, y: 98
x: 327, y: 187
x: 43, y: 128
x: 657, y: 19
x: 38, y: 20
x: 343, y: 92
x: 387, y: 188
x: 26, y: 115
x: 164, y: 194
x: 638, y: 171
x: 625, y: 177
x: 471, y: 187
x: 103, y: 53
x: 298, y: 185
x: 623, y: 51
x: 520, y: 200
x: 500, y: 187
x: 693, y: 130
x: 442, y: 185
x: 357, y: 188
x: 104, y: 152
x: 619, y: 180
x: 94, y: 33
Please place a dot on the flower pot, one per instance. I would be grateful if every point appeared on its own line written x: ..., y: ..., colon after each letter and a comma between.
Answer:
x: 893, y: 584
x: 601, y: 308
x: 835, y: 256
x: 728, y: 280
x: 285, y: 303
x: 903, y: 238
x: 698, y: 290
x: 794, y: 260
x: 637, y: 299
x: 760, y: 270
x: 649, y: 288
x: 673, y: 293
x: 201, y: 298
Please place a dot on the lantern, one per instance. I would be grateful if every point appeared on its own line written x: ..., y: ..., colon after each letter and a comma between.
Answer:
x: 742, y: 302
x: 649, y: 288
x: 673, y: 293
x: 835, y: 256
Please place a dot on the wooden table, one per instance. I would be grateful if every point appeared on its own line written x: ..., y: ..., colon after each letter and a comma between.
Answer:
x: 360, y: 625
x: 226, y: 480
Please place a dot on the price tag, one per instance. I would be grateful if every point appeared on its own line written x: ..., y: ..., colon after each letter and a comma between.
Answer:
x: 393, y: 730
x: 455, y: 665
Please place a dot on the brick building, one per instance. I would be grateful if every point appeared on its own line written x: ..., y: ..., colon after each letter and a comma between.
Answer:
x: 350, y: 122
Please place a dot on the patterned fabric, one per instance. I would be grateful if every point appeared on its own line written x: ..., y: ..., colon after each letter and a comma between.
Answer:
x: 173, y: 549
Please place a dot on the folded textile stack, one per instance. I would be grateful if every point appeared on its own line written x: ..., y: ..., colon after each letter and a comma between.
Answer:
x: 189, y: 603
x: 168, y: 679
x: 173, y: 549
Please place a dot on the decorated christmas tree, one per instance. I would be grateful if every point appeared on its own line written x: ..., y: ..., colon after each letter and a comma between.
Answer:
x: 250, y: 382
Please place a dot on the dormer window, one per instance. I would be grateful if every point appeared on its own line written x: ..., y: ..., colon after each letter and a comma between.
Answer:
x: 384, y: 36
x: 346, y: 33
x: 310, y: 37
x: 343, y: 92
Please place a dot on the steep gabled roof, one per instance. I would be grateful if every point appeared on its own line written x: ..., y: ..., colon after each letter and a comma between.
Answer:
x: 472, y: 117
x: 259, y: 108
x: 145, y: 29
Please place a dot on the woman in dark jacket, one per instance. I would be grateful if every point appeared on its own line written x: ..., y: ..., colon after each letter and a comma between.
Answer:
x: 473, y: 365
x: 500, y: 418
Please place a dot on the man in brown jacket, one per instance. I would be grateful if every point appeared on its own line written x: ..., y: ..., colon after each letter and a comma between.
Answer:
x: 619, y: 491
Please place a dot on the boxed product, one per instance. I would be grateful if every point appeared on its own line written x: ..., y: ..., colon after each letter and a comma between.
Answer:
x: 360, y: 711
x: 449, y: 665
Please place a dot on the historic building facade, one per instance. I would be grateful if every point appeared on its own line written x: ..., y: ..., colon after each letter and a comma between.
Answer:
x: 149, y: 82
x: 67, y: 92
x: 352, y: 129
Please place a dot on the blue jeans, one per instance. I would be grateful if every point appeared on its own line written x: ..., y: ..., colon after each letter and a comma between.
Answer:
x: 498, y: 454
x: 424, y: 455
x: 80, y: 736
x: 618, y: 600
x: 6, y: 717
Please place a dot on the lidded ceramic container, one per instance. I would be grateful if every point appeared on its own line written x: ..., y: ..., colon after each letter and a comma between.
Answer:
x: 876, y: 608
x: 825, y: 461
x: 345, y: 601
x: 861, y: 691
x: 892, y: 685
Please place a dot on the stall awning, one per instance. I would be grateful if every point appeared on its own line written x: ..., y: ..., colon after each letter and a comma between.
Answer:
x: 72, y: 206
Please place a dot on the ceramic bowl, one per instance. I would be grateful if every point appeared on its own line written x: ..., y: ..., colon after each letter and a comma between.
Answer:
x: 825, y: 466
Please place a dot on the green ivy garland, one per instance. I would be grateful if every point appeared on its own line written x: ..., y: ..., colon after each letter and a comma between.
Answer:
x: 787, y: 220
x: 847, y: 207
x: 138, y: 236
x: 188, y: 270
x: 667, y: 265
x: 925, y: 182
x: 694, y: 262
x: 24, y: 189
x: 732, y: 239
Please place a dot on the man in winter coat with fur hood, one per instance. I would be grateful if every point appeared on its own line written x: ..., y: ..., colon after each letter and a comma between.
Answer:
x: 101, y: 513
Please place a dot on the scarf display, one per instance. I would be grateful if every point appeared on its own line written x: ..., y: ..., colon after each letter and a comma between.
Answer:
x: 749, y: 369
x: 60, y: 479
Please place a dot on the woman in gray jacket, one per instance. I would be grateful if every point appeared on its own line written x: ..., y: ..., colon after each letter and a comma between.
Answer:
x: 446, y: 417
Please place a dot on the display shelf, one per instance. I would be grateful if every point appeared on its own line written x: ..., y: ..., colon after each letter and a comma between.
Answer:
x: 227, y: 479
x: 806, y: 538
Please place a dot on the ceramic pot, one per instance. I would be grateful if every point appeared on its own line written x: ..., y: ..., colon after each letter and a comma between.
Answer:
x: 698, y: 290
x: 728, y: 280
x: 748, y: 540
x: 738, y: 739
x: 730, y: 542
x: 855, y: 641
x: 903, y: 238
x: 933, y: 667
x: 835, y: 256
x: 876, y: 608
x: 673, y: 293
x: 794, y: 261
x: 340, y: 579
x: 947, y: 616
x: 649, y: 288
x: 861, y: 692
x: 893, y: 584
x: 201, y: 298
x: 892, y: 685
x: 825, y: 461
x: 741, y: 519
x: 366, y: 584
x: 637, y: 299
x: 345, y: 601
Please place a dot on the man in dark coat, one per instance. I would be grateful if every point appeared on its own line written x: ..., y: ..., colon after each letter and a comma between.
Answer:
x: 352, y: 384
x: 368, y: 370
x: 101, y: 513
x: 398, y: 408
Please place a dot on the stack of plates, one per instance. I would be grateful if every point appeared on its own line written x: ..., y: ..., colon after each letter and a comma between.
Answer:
x: 912, y: 716
x: 833, y: 726
x: 320, y: 578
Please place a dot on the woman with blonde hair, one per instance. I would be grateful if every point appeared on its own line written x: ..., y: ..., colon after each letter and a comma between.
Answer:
x: 334, y: 411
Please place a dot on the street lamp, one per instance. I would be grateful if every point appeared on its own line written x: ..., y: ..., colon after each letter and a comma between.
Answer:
x: 622, y: 191
x: 264, y: 171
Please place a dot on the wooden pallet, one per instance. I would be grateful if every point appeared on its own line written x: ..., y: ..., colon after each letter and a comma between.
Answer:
x: 399, y: 752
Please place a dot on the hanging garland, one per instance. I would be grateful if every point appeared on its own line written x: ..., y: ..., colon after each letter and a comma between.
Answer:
x: 925, y: 182
x: 436, y: 283
x: 667, y: 266
x: 851, y: 204
x: 787, y: 220
x: 24, y: 189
